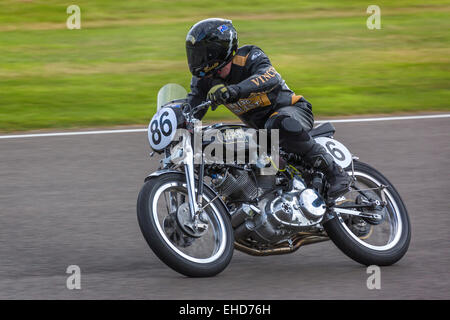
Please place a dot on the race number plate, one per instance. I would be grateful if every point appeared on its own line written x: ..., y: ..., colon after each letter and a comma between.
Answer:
x: 162, y: 128
x: 338, y: 151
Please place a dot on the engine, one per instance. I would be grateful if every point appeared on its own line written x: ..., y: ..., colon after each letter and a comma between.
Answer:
x: 278, y: 215
x: 236, y: 184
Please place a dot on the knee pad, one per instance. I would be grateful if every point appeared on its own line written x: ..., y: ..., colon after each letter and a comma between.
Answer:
x: 288, y: 126
x: 293, y: 137
x: 291, y: 126
x: 274, y: 122
x: 292, y: 130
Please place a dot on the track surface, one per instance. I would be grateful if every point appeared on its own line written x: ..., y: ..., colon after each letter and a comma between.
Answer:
x: 71, y: 201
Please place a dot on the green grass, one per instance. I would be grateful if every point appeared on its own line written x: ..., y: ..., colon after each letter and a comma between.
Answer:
x: 109, y: 72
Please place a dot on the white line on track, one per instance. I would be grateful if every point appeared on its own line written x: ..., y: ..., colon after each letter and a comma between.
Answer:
x: 79, y: 133
x: 75, y: 133
x: 434, y: 116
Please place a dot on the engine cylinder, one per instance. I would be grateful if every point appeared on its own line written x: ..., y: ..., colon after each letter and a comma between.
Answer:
x: 238, y: 186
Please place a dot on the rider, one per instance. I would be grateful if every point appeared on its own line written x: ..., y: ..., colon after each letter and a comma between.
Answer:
x: 244, y: 80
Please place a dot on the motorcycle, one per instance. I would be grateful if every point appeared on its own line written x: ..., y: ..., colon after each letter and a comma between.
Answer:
x: 193, y: 212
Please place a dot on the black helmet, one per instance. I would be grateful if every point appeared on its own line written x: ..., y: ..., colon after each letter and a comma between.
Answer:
x: 210, y: 45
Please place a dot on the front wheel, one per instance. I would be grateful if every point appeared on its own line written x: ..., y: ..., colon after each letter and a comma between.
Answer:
x: 369, y: 242
x: 164, y: 219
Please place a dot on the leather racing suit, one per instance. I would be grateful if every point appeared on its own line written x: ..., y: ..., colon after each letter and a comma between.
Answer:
x: 262, y: 91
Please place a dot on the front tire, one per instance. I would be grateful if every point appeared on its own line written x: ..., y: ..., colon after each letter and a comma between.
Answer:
x: 358, y: 245
x: 170, y: 243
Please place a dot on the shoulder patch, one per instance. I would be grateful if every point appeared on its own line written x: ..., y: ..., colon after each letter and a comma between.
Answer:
x: 240, y: 60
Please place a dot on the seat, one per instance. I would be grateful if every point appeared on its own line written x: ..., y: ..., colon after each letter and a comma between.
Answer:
x: 323, y: 130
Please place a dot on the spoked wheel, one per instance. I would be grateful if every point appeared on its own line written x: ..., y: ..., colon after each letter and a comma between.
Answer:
x: 381, y: 241
x: 198, y: 248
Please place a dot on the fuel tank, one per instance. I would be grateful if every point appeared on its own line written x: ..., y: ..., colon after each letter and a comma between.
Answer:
x: 235, y: 140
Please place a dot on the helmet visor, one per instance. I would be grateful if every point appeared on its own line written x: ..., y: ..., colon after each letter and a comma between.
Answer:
x: 205, y: 60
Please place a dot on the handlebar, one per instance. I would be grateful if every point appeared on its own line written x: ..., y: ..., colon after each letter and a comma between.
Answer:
x: 202, y: 106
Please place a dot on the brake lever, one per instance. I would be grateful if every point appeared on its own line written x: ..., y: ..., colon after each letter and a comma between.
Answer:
x: 204, y: 105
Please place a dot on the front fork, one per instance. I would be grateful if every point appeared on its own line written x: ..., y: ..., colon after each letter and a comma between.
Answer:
x: 194, y: 223
x: 188, y: 162
x: 183, y: 154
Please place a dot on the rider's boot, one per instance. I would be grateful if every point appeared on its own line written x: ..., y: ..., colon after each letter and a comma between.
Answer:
x: 297, y: 140
x: 337, y: 177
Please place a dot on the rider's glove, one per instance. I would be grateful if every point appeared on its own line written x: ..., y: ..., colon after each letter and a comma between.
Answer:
x: 221, y: 94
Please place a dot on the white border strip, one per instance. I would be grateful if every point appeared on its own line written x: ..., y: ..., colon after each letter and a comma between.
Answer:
x: 79, y: 133
x: 434, y: 116
x: 76, y: 133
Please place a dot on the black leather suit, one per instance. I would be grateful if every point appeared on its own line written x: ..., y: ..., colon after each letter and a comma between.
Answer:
x: 264, y: 98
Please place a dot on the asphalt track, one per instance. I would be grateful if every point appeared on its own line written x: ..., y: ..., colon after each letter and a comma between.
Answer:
x: 70, y: 200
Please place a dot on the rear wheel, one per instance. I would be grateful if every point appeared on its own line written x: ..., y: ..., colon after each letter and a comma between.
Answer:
x: 199, y: 250
x: 367, y: 241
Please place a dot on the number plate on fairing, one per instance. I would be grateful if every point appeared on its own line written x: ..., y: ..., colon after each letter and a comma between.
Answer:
x: 338, y: 151
x: 162, y: 128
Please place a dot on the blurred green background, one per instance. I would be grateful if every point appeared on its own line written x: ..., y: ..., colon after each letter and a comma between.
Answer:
x: 109, y: 72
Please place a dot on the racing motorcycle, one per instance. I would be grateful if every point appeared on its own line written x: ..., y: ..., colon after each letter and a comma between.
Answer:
x: 193, y: 212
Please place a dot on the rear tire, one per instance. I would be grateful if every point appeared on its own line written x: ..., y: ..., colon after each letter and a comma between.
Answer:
x: 356, y: 248
x: 168, y: 252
